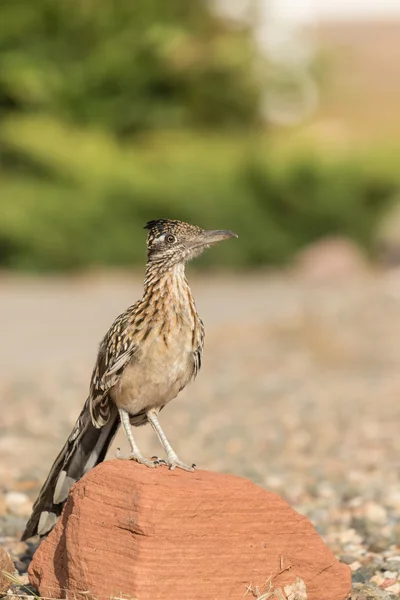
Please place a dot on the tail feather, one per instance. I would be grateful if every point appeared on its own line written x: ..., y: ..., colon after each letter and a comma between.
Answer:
x: 86, y: 447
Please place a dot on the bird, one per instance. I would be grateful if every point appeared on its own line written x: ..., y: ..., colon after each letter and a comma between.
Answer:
x: 150, y: 353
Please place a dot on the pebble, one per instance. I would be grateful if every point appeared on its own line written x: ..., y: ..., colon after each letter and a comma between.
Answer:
x: 376, y: 513
x: 347, y: 559
x: 394, y: 589
x: 390, y: 574
x: 18, y: 504
x: 11, y: 526
x: 389, y: 583
x: 299, y: 392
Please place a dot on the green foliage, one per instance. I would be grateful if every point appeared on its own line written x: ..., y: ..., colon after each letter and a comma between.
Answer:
x: 125, y: 66
x: 79, y: 198
x: 88, y: 90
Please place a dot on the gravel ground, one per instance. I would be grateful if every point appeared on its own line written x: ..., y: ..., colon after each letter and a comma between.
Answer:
x: 299, y: 391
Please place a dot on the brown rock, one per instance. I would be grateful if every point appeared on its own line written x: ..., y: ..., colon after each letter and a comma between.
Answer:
x: 6, y: 567
x: 159, y: 534
x: 329, y: 259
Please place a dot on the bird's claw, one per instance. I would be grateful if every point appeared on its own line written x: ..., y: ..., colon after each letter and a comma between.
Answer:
x: 159, y: 461
x: 177, y: 463
x: 152, y: 463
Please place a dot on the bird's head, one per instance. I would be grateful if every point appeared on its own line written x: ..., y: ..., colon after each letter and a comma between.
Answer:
x: 173, y: 242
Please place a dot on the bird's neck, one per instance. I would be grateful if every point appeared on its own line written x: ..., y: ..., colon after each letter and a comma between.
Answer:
x: 168, y: 288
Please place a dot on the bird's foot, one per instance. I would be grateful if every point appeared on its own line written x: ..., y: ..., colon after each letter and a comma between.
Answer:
x: 174, y: 461
x: 160, y: 461
x: 148, y: 462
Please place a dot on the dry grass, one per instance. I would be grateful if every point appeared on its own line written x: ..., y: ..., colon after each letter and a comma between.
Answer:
x: 20, y: 590
x: 294, y: 591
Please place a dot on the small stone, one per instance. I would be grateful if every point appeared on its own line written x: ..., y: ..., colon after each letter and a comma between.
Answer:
x: 378, y: 579
x: 390, y: 575
x: 296, y: 591
x: 274, y: 481
x: 388, y: 583
x: 11, y: 525
x: 394, y: 589
x: 355, y: 565
x: 348, y: 559
x: 18, y: 504
x: 16, y: 547
x: 23, y: 579
x: 393, y: 565
x: 362, y: 576
x: 377, y: 546
x: 26, y: 485
x: 376, y: 513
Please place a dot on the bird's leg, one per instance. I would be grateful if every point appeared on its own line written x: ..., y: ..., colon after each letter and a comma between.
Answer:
x: 172, y: 458
x: 135, y: 452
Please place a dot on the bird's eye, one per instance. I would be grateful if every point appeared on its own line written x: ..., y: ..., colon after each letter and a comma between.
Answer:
x: 170, y: 239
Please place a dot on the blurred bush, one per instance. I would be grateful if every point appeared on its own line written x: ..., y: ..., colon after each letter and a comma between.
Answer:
x: 81, y: 198
x: 126, y: 66
x: 88, y: 91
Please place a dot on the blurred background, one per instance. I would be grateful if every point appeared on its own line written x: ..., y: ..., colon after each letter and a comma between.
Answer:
x: 278, y: 119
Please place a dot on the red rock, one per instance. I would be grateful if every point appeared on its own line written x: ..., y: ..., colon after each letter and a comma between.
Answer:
x: 159, y: 534
x: 6, y: 567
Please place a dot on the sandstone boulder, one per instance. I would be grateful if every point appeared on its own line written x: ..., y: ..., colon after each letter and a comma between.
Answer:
x: 131, y: 531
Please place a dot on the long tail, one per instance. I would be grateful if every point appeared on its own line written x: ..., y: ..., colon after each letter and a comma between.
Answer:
x: 86, y: 447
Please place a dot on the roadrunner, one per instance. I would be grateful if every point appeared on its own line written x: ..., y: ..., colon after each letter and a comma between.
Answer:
x: 149, y: 354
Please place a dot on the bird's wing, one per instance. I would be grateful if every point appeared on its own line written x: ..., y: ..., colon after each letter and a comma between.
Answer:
x: 116, y: 351
x: 197, y: 354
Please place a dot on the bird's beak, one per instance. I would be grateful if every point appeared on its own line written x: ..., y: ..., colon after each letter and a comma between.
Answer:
x: 213, y: 236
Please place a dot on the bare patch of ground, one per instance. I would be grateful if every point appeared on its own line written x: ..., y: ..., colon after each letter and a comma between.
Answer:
x: 299, y: 391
